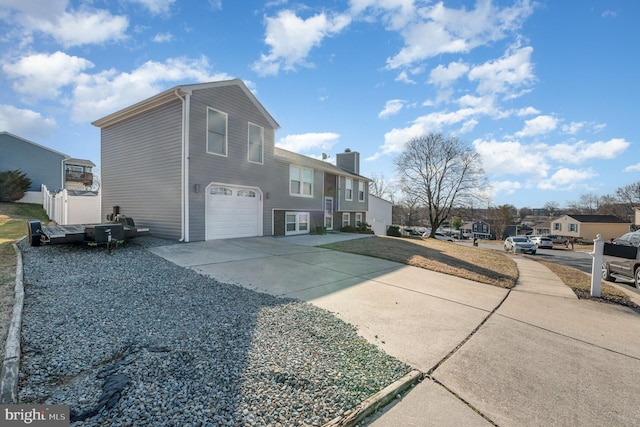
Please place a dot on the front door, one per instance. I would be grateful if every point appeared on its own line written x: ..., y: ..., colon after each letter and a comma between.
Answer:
x: 328, y: 213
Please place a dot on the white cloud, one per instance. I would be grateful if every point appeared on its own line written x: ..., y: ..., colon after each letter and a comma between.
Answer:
x: 537, y: 126
x: 403, y: 76
x: 567, y: 179
x: 581, y: 151
x: 504, y: 187
x: 527, y: 111
x: 504, y: 75
x: 156, y: 7
x: 391, y: 108
x: 291, y: 38
x: 308, y: 141
x: 25, y: 123
x: 444, y: 76
x: 82, y: 27
x: 632, y: 168
x: 511, y: 158
x: 42, y: 75
x: 434, y: 29
x: 100, y: 94
x: 573, y: 127
x: 163, y: 38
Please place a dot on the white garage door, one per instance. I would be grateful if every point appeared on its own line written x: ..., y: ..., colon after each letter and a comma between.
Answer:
x: 232, y: 212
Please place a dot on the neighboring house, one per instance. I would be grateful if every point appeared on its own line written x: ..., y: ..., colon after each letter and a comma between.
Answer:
x: 199, y: 162
x: 542, y: 228
x: 587, y: 227
x: 479, y: 229
x: 43, y: 166
x: 379, y: 214
x: 78, y: 174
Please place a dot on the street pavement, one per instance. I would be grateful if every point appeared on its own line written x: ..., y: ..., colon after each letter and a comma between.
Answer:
x: 534, y: 355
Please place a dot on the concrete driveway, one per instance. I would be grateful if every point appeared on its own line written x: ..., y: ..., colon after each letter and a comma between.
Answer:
x: 535, y: 355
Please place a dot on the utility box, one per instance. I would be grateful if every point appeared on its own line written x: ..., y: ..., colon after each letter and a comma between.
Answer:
x: 104, y: 233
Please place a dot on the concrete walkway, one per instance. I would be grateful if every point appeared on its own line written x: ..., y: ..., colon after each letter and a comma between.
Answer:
x: 535, y: 355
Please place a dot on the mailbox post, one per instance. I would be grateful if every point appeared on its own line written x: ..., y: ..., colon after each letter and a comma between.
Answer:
x: 596, y: 268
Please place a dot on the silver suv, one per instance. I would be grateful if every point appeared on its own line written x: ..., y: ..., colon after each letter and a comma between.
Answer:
x: 622, y: 259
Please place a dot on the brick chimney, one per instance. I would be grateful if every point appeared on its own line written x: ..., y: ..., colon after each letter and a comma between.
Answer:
x: 349, y: 161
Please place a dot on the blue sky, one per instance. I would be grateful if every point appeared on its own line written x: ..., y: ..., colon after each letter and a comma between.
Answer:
x: 546, y: 91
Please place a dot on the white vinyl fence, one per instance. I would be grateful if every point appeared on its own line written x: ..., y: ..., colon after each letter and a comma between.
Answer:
x: 71, y: 207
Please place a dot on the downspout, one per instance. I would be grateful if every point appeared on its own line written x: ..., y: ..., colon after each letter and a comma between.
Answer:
x: 183, y: 171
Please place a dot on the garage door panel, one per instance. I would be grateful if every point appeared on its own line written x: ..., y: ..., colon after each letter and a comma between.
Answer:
x: 231, y: 214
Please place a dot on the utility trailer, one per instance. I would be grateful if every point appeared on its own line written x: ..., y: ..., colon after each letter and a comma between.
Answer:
x: 112, y: 233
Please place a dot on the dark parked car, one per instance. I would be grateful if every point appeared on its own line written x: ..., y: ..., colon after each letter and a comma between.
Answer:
x: 622, y: 259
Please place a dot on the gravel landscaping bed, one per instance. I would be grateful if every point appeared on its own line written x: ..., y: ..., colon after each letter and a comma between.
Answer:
x: 129, y: 338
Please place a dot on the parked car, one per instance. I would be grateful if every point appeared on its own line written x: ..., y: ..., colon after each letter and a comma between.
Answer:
x: 622, y: 259
x: 542, y: 241
x: 519, y: 244
x: 446, y: 238
x: 558, y: 240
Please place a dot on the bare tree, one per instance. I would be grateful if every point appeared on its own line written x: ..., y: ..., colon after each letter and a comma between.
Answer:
x: 552, y: 208
x: 440, y: 173
x: 381, y: 187
x: 629, y: 194
x: 501, y: 218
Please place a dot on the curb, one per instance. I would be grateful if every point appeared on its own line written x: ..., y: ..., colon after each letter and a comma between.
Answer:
x: 376, y: 401
x: 11, y: 362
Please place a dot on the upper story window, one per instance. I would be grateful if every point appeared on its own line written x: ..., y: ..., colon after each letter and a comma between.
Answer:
x: 348, y: 189
x: 557, y: 226
x: 573, y: 227
x: 216, y: 132
x: 300, y: 181
x: 360, y: 191
x: 256, y: 143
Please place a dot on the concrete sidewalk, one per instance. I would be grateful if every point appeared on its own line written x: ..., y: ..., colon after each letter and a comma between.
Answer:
x: 535, y: 355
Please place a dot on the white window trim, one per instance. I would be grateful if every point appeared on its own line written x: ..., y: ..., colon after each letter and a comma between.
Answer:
x: 347, y: 216
x: 359, y: 219
x: 297, y: 230
x: 361, y: 191
x: 348, y: 185
x: 302, y: 182
x: 226, y: 133
x: 261, y: 162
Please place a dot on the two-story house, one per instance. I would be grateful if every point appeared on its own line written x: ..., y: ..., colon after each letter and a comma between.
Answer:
x: 199, y: 162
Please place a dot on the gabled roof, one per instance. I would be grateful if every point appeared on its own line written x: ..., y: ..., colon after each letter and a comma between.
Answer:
x: 66, y: 156
x: 80, y: 162
x: 611, y: 219
x: 173, y: 94
x: 291, y: 157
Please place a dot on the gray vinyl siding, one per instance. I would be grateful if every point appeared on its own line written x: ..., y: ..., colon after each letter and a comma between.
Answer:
x: 271, y: 177
x: 353, y: 205
x: 141, y: 169
x: 41, y: 165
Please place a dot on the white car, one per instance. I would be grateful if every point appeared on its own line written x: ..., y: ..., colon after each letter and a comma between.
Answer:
x: 542, y: 241
x: 444, y: 237
x: 519, y: 244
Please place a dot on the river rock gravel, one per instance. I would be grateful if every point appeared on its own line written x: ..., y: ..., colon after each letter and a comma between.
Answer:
x: 130, y: 339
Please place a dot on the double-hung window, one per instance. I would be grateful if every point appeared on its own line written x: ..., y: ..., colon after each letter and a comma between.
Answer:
x: 573, y: 228
x: 557, y: 226
x: 300, y: 181
x: 216, y: 132
x: 360, y: 191
x: 348, y: 189
x: 346, y: 219
x: 256, y: 143
x: 296, y: 223
x: 358, y: 219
